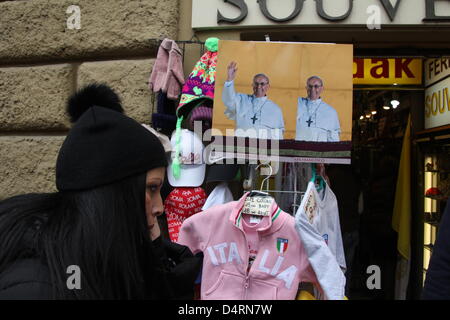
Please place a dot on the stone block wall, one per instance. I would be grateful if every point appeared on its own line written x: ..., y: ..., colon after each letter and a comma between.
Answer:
x: 43, y: 60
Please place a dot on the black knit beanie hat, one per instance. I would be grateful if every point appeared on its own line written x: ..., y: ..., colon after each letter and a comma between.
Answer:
x: 104, y: 145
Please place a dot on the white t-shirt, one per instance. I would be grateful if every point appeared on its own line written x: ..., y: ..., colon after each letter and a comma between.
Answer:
x: 324, y: 263
x: 323, y: 214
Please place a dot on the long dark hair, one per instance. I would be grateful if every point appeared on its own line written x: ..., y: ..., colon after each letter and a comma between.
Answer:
x: 103, y: 231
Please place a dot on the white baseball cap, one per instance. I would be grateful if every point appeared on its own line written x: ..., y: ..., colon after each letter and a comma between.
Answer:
x: 192, y: 164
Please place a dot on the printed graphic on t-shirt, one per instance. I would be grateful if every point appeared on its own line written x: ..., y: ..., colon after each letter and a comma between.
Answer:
x: 310, y: 207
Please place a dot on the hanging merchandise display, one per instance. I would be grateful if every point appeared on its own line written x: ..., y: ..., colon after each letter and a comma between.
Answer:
x: 199, y: 87
x: 258, y: 247
x: 186, y: 166
x: 251, y: 256
x: 167, y: 73
x: 179, y: 205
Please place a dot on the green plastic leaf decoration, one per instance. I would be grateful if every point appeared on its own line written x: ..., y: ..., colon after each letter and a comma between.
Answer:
x: 176, y: 163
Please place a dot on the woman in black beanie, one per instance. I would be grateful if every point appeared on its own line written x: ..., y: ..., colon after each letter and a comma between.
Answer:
x: 98, y: 236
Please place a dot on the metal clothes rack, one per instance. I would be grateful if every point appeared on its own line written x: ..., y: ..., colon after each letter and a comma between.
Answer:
x: 251, y: 184
x: 317, y: 170
x: 194, y: 40
x: 297, y: 201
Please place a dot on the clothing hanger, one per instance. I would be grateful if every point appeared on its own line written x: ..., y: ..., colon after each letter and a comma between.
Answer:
x: 317, y: 178
x: 260, y: 192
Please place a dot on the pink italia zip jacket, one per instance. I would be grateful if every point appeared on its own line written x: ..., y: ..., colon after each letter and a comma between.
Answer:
x: 280, y: 264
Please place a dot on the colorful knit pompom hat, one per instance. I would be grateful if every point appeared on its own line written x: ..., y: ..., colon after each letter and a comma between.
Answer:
x: 201, y: 81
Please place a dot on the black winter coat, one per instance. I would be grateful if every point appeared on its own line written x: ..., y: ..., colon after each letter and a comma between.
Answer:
x: 437, y: 281
x: 26, y: 279
x: 29, y: 279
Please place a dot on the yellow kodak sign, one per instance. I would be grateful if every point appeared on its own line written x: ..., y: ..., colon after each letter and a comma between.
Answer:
x: 383, y: 71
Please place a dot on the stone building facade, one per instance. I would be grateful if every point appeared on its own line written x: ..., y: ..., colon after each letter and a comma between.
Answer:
x: 51, y: 48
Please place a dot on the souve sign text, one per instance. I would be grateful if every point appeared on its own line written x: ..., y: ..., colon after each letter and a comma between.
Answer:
x: 223, y: 13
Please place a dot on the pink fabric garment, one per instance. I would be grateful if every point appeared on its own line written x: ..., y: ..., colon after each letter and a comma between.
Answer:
x: 167, y: 73
x: 280, y: 265
x: 251, y: 232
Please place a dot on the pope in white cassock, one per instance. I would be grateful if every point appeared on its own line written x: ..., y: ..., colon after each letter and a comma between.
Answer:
x: 316, y: 120
x: 255, y: 115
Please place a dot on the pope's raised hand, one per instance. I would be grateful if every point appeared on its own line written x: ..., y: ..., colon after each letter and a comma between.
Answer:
x: 232, y: 69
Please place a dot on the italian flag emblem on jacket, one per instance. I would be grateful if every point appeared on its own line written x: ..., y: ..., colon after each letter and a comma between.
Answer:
x: 282, y: 245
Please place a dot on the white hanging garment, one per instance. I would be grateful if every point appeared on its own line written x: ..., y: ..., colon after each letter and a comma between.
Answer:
x: 325, y: 219
x: 309, y: 218
x: 220, y: 195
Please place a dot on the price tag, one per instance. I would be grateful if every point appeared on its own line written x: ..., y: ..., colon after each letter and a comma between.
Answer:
x: 257, y: 206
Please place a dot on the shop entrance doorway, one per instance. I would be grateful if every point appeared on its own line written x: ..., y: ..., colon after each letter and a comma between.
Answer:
x: 379, y: 122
